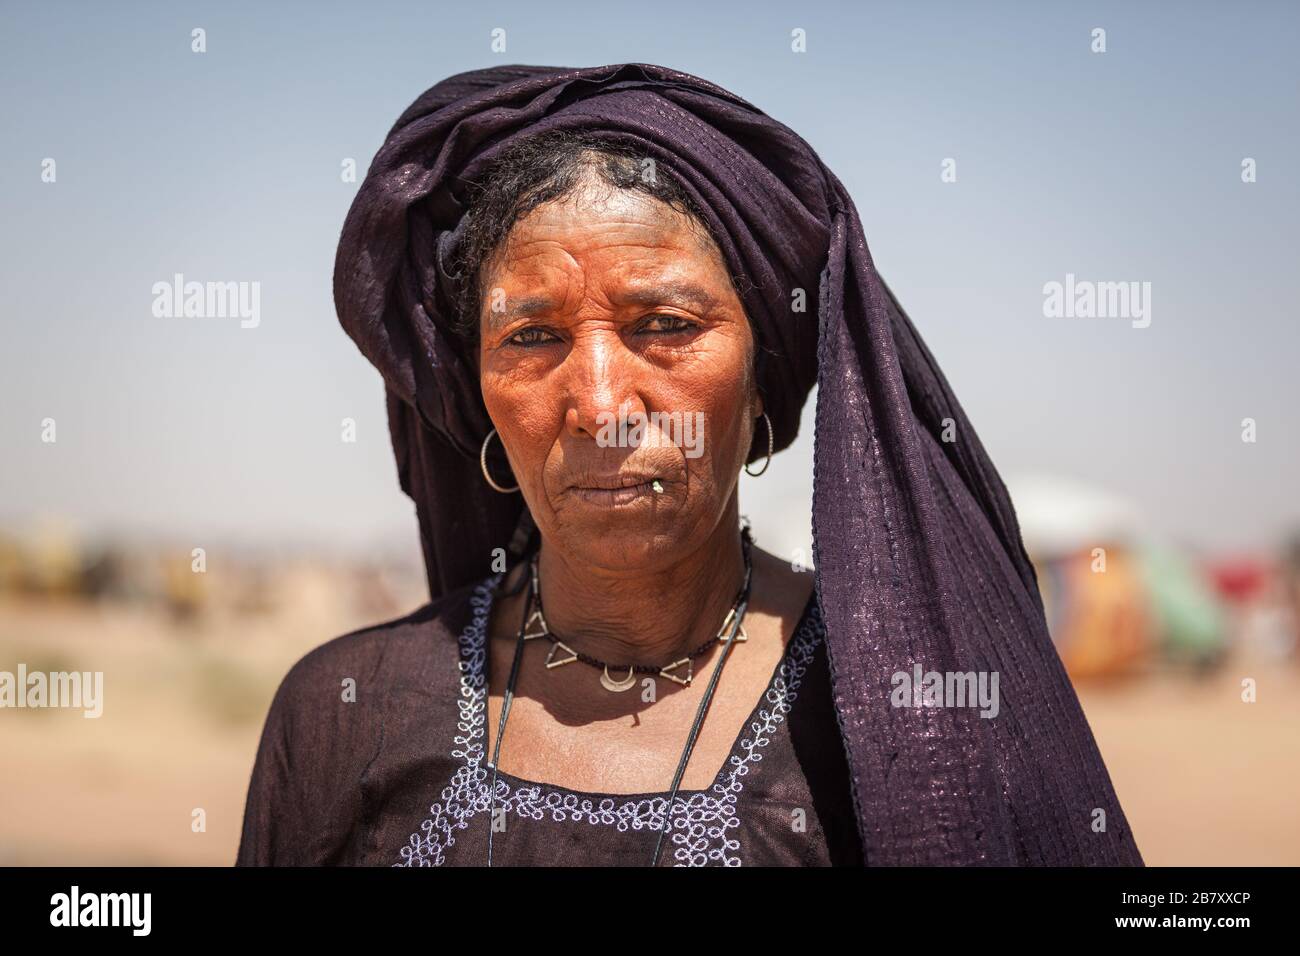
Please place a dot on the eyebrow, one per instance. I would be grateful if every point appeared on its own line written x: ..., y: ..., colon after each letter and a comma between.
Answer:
x: 522, y: 308
x: 658, y: 293
x: 668, y: 293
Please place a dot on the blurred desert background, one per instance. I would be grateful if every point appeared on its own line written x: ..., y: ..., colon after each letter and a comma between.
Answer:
x: 190, y: 662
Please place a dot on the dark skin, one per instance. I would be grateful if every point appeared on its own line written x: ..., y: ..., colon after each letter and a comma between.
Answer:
x: 602, y: 299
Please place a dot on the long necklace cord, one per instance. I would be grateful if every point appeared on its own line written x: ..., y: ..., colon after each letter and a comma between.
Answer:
x: 704, y: 705
x: 505, y: 712
x: 740, y: 608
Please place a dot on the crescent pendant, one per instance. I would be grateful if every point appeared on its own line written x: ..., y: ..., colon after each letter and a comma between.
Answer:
x: 618, y: 686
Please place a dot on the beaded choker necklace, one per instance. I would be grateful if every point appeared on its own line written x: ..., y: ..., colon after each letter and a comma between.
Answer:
x: 680, y: 671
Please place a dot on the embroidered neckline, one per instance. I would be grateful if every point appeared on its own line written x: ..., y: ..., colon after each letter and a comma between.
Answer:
x: 733, y: 752
x: 701, y: 818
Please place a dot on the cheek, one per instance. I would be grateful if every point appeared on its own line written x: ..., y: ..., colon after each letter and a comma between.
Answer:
x: 724, y: 391
x: 523, y: 416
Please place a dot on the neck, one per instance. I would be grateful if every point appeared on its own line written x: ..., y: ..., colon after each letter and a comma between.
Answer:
x: 644, y: 618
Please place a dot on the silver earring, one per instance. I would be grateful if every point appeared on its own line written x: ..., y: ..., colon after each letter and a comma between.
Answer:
x: 771, y: 444
x: 482, y: 463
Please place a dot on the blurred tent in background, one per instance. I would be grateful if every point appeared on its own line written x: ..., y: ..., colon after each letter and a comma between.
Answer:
x: 1263, y: 599
x: 1189, y: 616
x: 1118, y: 599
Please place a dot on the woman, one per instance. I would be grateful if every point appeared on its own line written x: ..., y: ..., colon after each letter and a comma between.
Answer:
x: 594, y: 296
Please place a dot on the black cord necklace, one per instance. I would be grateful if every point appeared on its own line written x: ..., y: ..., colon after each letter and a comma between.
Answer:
x: 734, y: 617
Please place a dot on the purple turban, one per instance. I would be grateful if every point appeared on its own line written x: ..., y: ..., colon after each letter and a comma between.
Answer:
x: 919, y: 560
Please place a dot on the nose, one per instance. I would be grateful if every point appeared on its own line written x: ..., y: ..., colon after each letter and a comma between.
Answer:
x: 601, y: 384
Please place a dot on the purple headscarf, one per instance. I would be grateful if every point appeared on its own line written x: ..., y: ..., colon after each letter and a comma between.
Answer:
x: 919, y: 560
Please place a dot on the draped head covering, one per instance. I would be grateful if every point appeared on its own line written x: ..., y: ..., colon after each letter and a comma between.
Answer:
x: 919, y: 562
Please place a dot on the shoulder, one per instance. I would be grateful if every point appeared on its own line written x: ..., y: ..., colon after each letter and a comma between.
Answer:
x: 332, y: 715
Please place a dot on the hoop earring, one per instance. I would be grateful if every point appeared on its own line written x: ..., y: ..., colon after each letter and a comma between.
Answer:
x: 771, y: 444
x: 482, y: 463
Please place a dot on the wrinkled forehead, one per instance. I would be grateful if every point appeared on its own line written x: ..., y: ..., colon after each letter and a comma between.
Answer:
x: 625, y: 256
x: 602, y: 221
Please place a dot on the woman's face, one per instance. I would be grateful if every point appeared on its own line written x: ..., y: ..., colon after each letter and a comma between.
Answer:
x: 614, y: 353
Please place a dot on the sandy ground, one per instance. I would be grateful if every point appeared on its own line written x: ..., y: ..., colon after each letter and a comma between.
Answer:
x: 1204, y: 778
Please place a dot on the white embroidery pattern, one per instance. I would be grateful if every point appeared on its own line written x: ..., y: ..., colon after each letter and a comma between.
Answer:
x: 700, y: 821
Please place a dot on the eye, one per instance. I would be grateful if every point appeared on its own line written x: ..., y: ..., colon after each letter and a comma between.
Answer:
x: 665, y: 325
x: 532, y: 337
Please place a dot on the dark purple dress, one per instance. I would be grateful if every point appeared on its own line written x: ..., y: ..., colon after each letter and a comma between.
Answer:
x: 398, y: 776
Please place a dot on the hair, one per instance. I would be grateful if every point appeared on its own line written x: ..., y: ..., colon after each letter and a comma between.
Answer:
x: 539, y: 169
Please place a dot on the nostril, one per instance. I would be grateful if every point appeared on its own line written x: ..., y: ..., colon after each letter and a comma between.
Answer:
x: 573, y: 423
x: 599, y: 420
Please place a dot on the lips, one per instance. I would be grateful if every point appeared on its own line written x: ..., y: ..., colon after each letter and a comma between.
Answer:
x: 613, y: 482
x: 617, y: 489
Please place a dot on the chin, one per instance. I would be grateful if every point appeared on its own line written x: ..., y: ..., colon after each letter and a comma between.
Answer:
x: 621, y: 538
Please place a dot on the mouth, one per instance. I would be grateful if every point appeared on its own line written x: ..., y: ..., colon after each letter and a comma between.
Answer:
x: 613, y: 490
